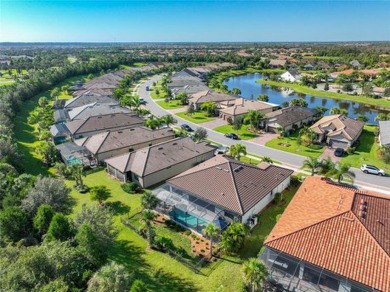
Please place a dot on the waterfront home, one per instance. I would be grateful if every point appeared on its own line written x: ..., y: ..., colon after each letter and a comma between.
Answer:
x: 71, y: 153
x: 277, y: 63
x: 243, y: 106
x: 111, y: 122
x: 288, y: 119
x: 339, y: 131
x: 116, y: 142
x: 59, y: 133
x: 291, y: 76
x: 384, y: 133
x: 331, y: 238
x: 159, y: 162
x: 219, y: 191
x: 222, y: 100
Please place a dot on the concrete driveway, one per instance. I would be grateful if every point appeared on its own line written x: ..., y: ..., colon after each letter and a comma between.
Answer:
x: 263, y: 138
x: 329, y: 152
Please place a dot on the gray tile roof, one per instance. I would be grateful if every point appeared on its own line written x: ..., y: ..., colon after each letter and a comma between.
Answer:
x: 290, y: 115
x: 160, y: 156
x: 104, y: 123
x: 96, y: 109
x: 231, y: 184
x: 88, y: 98
x: 124, y: 138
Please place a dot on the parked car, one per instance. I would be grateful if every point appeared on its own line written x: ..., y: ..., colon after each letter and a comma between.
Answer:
x: 221, y: 150
x: 147, y: 88
x: 231, y: 136
x: 142, y: 101
x: 339, y: 152
x: 372, y: 169
x: 186, y: 127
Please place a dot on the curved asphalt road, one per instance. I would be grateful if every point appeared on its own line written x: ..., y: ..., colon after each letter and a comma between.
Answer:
x: 290, y: 160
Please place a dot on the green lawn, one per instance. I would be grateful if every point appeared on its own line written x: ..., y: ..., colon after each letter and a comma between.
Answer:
x: 196, y: 117
x: 162, y: 92
x: 339, y: 96
x: 243, y: 133
x: 171, y: 104
x: 266, y: 221
x: 289, y: 144
x: 367, y: 151
x: 130, y: 249
x: 5, y: 81
x: 321, y: 57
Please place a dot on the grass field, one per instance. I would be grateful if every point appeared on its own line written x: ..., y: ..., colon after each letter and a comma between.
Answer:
x: 196, y: 117
x: 171, y: 104
x: 289, y: 144
x: 382, y: 103
x: 243, y: 133
x: 367, y: 151
x: 162, y: 93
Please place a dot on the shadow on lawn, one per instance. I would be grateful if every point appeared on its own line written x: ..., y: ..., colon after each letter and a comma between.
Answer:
x: 130, y: 256
x: 118, y: 207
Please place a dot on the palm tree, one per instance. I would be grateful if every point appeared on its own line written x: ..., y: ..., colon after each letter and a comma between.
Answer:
x: 254, y: 273
x: 209, y: 107
x: 211, y: 232
x: 255, y: 118
x: 343, y: 170
x: 267, y: 159
x: 233, y: 237
x: 147, y: 217
x: 311, y: 163
x: 152, y: 123
x: 237, y: 150
x: 110, y: 277
x: 135, y: 102
x: 148, y: 200
x: 168, y: 120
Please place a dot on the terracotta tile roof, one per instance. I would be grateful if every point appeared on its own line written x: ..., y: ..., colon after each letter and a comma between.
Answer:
x: 209, y: 95
x: 243, y: 106
x: 323, y: 226
x: 231, y: 184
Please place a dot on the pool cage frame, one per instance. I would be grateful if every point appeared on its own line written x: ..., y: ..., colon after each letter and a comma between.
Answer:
x: 173, y: 199
x: 292, y: 274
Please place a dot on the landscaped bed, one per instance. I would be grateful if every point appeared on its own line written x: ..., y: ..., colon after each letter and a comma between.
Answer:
x: 243, y: 133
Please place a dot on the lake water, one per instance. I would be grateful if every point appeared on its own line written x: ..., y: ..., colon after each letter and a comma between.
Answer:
x: 249, y: 88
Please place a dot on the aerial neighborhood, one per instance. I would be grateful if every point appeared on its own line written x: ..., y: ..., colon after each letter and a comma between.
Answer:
x: 245, y: 162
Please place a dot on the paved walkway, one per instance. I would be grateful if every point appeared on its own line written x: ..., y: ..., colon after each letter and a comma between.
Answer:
x: 329, y: 152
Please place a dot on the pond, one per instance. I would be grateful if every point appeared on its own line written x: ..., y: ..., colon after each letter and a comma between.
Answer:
x: 250, y: 89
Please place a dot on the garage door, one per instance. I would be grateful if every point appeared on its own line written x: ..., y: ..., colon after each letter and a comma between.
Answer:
x: 338, y: 144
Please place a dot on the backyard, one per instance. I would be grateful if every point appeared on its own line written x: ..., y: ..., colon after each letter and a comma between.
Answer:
x: 290, y: 144
x: 243, y: 133
x: 196, y: 117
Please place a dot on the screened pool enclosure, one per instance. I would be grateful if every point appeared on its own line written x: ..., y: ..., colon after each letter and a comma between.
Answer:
x: 188, y: 210
x: 293, y: 274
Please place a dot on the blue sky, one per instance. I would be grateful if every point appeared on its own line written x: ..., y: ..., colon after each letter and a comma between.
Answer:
x: 193, y: 21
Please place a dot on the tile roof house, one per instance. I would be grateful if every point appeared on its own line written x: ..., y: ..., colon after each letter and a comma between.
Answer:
x: 277, y: 63
x: 181, y: 82
x: 339, y: 131
x: 384, y: 133
x: 89, y: 110
x: 88, y: 97
x: 331, y: 238
x: 116, y: 142
x: 221, y: 189
x: 159, y: 162
x: 243, y: 106
x: 221, y: 99
x: 96, y: 124
x: 288, y: 119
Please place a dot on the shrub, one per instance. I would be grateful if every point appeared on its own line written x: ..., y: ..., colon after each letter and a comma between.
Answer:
x: 187, y: 232
x: 350, y: 150
x: 130, y: 188
x: 278, y: 198
x: 164, y: 243
x: 294, y: 181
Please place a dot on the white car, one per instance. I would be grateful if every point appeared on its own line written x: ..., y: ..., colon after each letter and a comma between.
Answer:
x: 372, y: 169
x: 221, y: 150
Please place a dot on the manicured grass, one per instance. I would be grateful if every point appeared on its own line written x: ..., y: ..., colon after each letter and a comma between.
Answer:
x: 250, y: 160
x: 171, y: 104
x: 162, y: 93
x: 4, y: 81
x: 196, y: 117
x: 243, y: 133
x: 25, y: 134
x: 383, y: 103
x: 367, y: 151
x: 289, y: 144
x: 266, y: 221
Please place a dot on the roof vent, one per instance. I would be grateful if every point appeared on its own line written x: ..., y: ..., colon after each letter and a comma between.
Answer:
x: 226, y: 170
x: 99, y: 117
x: 132, y: 129
x: 237, y: 169
x: 160, y: 148
x: 363, y: 202
x: 217, y: 167
x: 362, y: 214
x: 222, y: 194
x: 174, y: 143
x: 120, y: 132
x: 363, y: 208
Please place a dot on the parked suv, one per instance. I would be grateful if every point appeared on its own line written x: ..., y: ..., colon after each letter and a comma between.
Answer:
x: 372, y: 169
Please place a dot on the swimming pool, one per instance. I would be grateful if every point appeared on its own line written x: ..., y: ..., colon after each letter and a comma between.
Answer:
x: 188, y: 219
x: 73, y: 160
